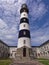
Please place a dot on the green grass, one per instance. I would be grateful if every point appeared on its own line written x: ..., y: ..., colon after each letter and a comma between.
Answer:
x: 5, y: 62
x: 44, y: 61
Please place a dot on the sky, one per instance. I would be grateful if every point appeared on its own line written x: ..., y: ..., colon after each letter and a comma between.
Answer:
x: 38, y: 20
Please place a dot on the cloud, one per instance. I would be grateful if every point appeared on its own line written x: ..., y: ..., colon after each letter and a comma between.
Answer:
x: 3, y: 25
x: 10, y: 18
x: 39, y: 0
x: 41, y: 35
x: 7, y: 33
x: 37, y: 9
x: 9, y: 36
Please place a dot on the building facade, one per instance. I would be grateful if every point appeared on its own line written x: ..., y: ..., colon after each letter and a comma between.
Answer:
x: 41, y: 51
x: 44, y: 50
x: 4, y: 50
x: 12, y: 50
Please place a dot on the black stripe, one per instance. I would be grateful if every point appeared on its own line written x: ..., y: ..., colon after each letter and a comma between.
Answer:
x: 21, y: 33
x: 22, y: 10
x: 22, y: 20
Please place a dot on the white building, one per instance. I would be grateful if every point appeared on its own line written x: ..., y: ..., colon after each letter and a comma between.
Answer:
x: 12, y: 50
x: 44, y: 49
x: 4, y: 50
x: 41, y: 51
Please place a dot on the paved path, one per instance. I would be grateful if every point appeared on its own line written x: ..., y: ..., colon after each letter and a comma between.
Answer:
x: 33, y: 62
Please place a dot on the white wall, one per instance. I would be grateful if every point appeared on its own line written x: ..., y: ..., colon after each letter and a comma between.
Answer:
x: 22, y: 26
x: 12, y: 51
x: 21, y: 42
x: 24, y: 14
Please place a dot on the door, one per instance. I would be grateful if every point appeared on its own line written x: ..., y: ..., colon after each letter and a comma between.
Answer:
x: 24, y: 52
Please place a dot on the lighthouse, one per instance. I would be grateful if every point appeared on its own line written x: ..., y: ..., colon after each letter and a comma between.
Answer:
x: 24, y: 43
x: 24, y: 32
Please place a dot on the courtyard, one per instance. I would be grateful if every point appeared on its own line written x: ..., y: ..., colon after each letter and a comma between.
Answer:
x: 5, y: 61
x: 40, y: 61
x: 44, y: 61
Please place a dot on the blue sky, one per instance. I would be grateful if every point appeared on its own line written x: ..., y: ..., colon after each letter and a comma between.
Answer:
x: 38, y: 19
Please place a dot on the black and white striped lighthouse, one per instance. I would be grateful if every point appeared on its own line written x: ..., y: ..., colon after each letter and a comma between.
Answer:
x: 24, y: 46
x: 24, y: 32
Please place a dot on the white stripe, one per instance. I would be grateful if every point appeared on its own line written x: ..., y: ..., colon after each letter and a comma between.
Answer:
x: 21, y: 42
x: 24, y: 14
x: 22, y: 26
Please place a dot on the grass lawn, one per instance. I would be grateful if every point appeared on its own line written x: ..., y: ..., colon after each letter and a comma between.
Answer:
x: 44, y: 61
x: 5, y: 62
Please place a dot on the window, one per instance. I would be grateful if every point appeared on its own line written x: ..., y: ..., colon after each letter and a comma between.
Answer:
x: 24, y: 5
x: 24, y: 10
x: 24, y: 25
x: 15, y: 54
x: 11, y: 54
x: 24, y: 19
x: 24, y: 52
x: 24, y: 14
x: 24, y: 41
x: 24, y: 32
x: 47, y: 47
x: 48, y: 51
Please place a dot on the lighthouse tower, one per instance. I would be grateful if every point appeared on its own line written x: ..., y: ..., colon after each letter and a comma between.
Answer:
x: 24, y: 44
x: 24, y: 32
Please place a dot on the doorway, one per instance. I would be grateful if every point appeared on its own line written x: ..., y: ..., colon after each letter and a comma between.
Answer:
x: 24, y: 52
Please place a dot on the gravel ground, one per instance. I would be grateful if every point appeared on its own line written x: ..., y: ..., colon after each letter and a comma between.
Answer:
x: 33, y: 62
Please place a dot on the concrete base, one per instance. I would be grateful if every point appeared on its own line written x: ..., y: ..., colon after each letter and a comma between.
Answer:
x: 24, y: 54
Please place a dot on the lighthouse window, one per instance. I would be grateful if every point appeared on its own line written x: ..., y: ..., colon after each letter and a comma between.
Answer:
x: 24, y: 41
x: 24, y: 10
x: 24, y: 32
x: 24, y: 14
x: 24, y: 19
x: 24, y: 5
x: 24, y: 25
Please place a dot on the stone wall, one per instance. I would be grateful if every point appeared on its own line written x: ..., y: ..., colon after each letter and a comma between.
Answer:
x: 4, y: 50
